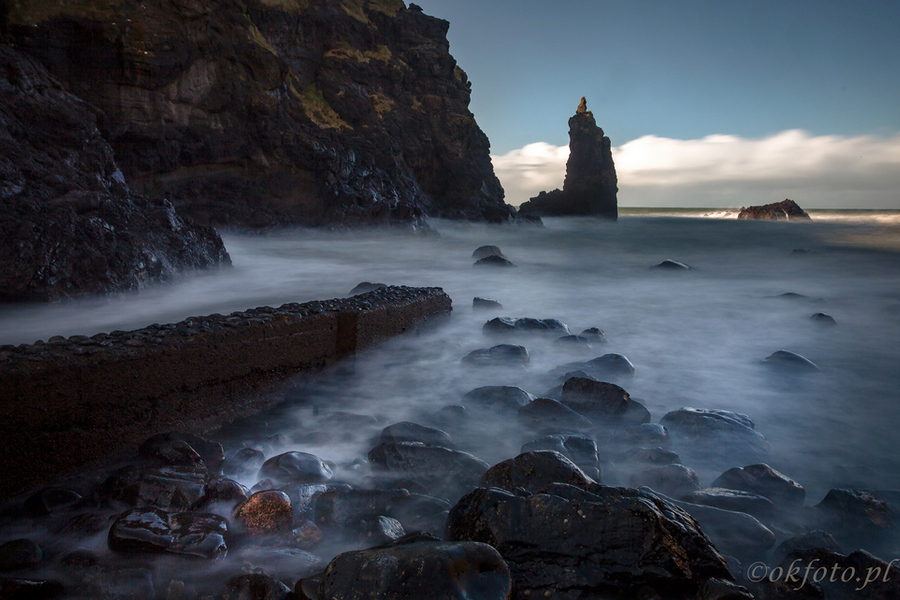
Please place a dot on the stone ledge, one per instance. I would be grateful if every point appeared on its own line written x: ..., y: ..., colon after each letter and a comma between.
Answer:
x: 69, y: 401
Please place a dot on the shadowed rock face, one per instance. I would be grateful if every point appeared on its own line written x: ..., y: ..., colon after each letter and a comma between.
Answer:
x: 591, y: 185
x: 69, y: 224
x: 276, y: 111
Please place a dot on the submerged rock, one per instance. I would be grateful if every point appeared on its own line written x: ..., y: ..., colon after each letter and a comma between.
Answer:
x: 545, y: 415
x: 716, y: 435
x: 823, y: 319
x: 407, y: 431
x: 590, y: 187
x: 480, y: 303
x: 493, y: 261
x: 525, y: 325
x: 787, y: 361
x: 499, y: 355
x: 786, y: 210
x: 418, y: 570
x: 672, y: 265
x: 497, y: 397
x: 296, y: 467
x: 485, y: 251
x: 448, y: 472
x: 672, y: 480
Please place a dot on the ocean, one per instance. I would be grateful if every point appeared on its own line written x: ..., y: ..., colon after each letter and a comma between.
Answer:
x: 696, y: 338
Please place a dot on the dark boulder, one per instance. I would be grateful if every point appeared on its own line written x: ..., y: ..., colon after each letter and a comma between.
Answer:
x: 480, y: 303
x: 407, y: 431
x: 580, y: 449
x: 672, y: 265
x: 544, y: 415
x: 245, y: 461
x: 69, y: 224
x: 822, y: 319
x: 254, y: 586
x: 762, y: 479
x: 612, y: 364
x: 170, y: 488
x: 497, y: 397
x: 603, y: 402
x: 154, y: 530
x: 594, y: 334
x: 500, y: 355
x: 719, y: 436
x: 534, y: 472
x: 182, y: 448
x: 573, y: 543
x: 418, y: 570
x: 493, y: 261
x: 50, y: 501
x: 858, y: 518
x: 590, y: 187
x: 646, y: 434
x: 18, y: 554
x: 735, y: 500
x: 672, y: 480
x: 810, y: 540
x: 485, y: 251
x: 448, y: 472
x: 786, y: 210
x: 296, y: 467
x: 525, y: 325
x: 857, y: 576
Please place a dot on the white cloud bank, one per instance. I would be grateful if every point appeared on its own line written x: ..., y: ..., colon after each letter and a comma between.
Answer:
x: 728, y: 171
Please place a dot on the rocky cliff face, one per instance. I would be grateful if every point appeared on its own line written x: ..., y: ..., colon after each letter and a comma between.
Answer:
x: 591, y: 185
x: 262, y: 112
x: 69, y: 224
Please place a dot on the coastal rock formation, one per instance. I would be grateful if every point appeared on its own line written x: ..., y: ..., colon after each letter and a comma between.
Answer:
x: 786, y: 210
x: 69, y: 224
x: 591, y: 185
x: 263, y: 112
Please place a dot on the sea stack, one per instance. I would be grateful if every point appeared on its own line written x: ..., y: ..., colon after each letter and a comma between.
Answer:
x: 787, y: 210
x: 591, y: 185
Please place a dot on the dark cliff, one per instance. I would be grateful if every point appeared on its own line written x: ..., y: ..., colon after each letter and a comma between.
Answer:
x: 590, y: 187
x: 69, y: 224
x: 263, y: 112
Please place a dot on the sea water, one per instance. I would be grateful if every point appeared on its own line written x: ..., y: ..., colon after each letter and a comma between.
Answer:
x: 696, y: 338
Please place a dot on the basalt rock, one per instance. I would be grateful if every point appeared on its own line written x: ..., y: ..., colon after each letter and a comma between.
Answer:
x: 69, y: 224
x: 786, y: 210
x: 261, y: 112
x: 591, y: 185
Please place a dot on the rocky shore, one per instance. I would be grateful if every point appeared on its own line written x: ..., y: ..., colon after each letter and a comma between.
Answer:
x: 587, y: 494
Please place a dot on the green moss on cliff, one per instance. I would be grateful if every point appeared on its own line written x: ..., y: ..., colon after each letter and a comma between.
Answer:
x: 318, y: 110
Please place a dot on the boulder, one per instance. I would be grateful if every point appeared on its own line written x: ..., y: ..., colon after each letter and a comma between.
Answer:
x: 485, y: 251
x: 182, y: 448
x: 534, y: 472
x: 51, y: 500
x: 499, y: 355
x: 857, y: 576
x: 448, y: 472
x: 574, y: 543
x: 672, y: 480
x: 493, y: 261
x: 787, y: 361
x: 610, y: 365
x: 822, y: 319
x: 762, y: 479
x: 342, y: 508
x: 497, y: 397
x: 418, y: 570
x: 672, y: 265
x: 245, y: 461
x: 580, y: 449
x: 296, y: 467
x: 594, y: 334
x: 858, y: 518
x: 480, y: 303
x: 810, y: 540
x: 717, y: 436
x: 254, y: 586
x: 407, y: 431
x: 590, y: 186
x: 155, y: 530
x: 786, y: 210
x: 21, y: 553
x: 525, y: 325
x: 603, y: 402
x: 265, y: 513
x: 734, y: 500
x: 544, y: 415
x: 170, y: 488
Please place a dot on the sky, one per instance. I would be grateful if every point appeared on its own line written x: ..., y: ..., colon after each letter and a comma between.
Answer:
x: 712, y: 103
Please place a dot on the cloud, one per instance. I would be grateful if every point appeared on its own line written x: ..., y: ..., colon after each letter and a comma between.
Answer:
x: 728, y: 171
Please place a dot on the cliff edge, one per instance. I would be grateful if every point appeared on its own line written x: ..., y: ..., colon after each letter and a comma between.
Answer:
x: 266, y: 112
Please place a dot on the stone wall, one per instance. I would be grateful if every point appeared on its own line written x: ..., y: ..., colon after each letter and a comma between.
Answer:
x: 69, y: 401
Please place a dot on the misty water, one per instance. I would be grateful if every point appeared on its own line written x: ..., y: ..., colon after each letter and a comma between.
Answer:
x: 696, y: 338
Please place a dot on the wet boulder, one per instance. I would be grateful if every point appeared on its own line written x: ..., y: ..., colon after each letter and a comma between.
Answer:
x: 603, y: 402
x: 245, y: 461
x: 296, y: 467
x: 762, y: 479
x: 574, y: 543
x: 493, y: 261
x: 169, y: 488
x: 534, y: 472
x: 19, y: 554
x: 580, y: 449
x: 672, y: 480
x: 646, y: 434
x: 610, y: 365
x: 265, y: 513
x: 525, y: 325
x: 304, y: 496
x: 185, y: 449
x: 719, y: 436
x: 155, y: 530
x: 485, y: 251
x: 418, y: 570
x: 224, y: 490
x: 254, y: 586
x: 651, y: 456
x: 407, y: 431
x: 787, y: 361
x: 497, y: 397
x: 810, y: 540
x: 499, y: 355
x: 857, y: 576
x: 858, y: 518
x: 480, y: 303
x: 448, y: 472
x: 735, y: 500
x: 544, y: 415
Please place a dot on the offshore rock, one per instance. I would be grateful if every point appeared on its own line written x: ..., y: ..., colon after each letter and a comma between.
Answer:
x: 69, y: 224
x: 606, y: 542
x: 786, y: 210
x: 591, y: 184
x: 262, y: 112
